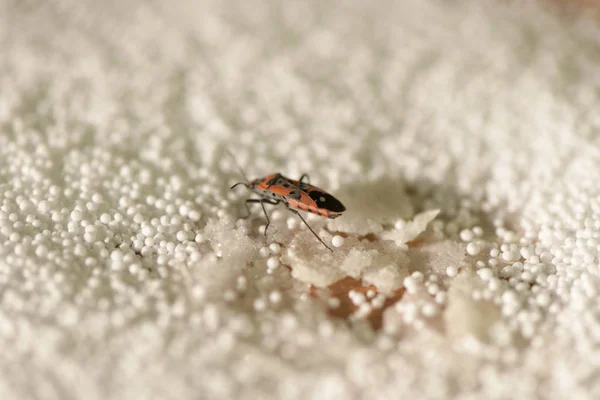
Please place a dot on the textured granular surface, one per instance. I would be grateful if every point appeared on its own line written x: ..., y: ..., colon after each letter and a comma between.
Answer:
x: 462, y: 137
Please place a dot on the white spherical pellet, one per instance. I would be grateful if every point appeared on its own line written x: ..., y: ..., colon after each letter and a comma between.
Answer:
x: 378, y: 301
x: 473, y: 248
x: 485, y: 273
x: 418, y: 276
x: 525, y: 252
x: 259, y: 305
x: 275, y: 248
x: 410, y: 284
x: 337, y: 241
x: 543, y: 299
x: 357, y: 298
x: 430, y: 309
x: 399, y: 224
x: 105, y: 218
x: 273, y: 263
x: 41, y: 251
x: 333, y: 302
x: 433, y: 289
x: 451, y: 271
x: 264, y: 252
x: 275, y: 297
x: 147, y: 230
x: 527, y: 276
x: 466, y: 235
x: 76, y: 215
x: 181, y: 236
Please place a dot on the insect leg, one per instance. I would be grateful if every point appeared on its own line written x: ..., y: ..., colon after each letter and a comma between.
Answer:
x: 262, y: 203
x: 247, y: 204
x: 311, y: 229
x: 303, y: 177
x: 254, y: 201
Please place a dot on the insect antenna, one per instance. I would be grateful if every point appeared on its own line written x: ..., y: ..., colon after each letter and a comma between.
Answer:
x: 239, y: 183
x: 240, y: 169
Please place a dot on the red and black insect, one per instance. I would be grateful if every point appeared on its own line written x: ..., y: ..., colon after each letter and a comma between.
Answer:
x: 295, y: 195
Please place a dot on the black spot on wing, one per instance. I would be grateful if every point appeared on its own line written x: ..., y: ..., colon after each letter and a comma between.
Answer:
x: 326, y: 201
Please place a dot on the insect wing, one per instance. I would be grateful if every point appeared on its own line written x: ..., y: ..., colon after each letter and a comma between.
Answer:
x: 322, y: 199
x: 282, y: 190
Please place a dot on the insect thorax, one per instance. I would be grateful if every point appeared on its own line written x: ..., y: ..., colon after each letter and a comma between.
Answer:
x: 267, y: 194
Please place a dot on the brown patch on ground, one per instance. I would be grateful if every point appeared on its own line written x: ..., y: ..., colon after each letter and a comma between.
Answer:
x: 415, y: 243
x: 591, y: 5
x: 371, y: 237
x: 342, y: 288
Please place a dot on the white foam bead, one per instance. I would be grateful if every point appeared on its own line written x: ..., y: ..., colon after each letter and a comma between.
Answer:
x: 527, y: 276
x: 441, y: 297
x: 485, y: 273
x: 337, y: 241
x: 76, y: 215
x: 259, y: 305
x: 378, y: 301
x: 147, y: 230
x: 418, y: 276
x: 534, y: 259
x: 410, y: 284
x: 264, y: 251
x: 273, y: 263
x: 430, y: 309
x: 433, y: 289
x: 466, y: 235
x: 399, y: 224
x: 333, y: 302
x: 473, y: 248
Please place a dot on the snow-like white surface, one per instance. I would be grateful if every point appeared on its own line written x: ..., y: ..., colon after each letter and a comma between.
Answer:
x: 126, y: 273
